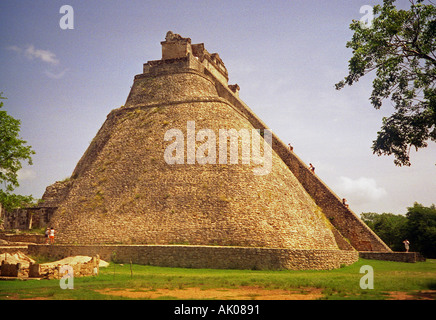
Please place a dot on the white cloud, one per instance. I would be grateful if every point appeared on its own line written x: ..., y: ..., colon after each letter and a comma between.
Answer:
x: 361, y: 190
x: 26, y: 174
x: 32, y: 53
x: 43, y: 55
x: 46, y: 56
x: 55, y: 75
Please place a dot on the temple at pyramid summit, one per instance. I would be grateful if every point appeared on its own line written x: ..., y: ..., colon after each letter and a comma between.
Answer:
x: 185, y: 174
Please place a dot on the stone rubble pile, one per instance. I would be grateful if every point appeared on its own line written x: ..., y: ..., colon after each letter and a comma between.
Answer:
x: 20, y: 265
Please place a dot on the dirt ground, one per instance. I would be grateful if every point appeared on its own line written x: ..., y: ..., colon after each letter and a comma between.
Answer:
x: 421, y: 295
x: 242, y: 293
x: 248, y: 293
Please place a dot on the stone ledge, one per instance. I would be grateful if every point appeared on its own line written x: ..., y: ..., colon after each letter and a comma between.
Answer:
x: 392, y: 256
x: 28, y: 238
x: 214, y: 257
x: 13, y: 249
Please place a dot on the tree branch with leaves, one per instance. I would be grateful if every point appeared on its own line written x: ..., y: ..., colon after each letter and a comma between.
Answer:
x: 13, y: 151
x: 400, y: 47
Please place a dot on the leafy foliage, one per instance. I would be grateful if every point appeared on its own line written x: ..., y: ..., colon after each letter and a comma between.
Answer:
x: 400, y: 46
x: 421, y: 229
x: 13, y: 150
x: 418, y: 226
x: 391, y: 228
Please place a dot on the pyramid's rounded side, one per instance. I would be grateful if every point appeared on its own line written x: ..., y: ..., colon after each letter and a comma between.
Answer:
x: 124, y: 190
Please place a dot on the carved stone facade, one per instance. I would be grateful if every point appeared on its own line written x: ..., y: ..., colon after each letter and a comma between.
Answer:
x: 40, y: 215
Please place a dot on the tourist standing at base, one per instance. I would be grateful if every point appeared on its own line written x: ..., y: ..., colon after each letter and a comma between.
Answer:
x: 406, y: 245
x: 51, y: 235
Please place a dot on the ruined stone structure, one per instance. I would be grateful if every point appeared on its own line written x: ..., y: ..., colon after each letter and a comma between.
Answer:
x: 39, y: 215
x: 138, y: 184
x: 27, y: 218
x: 81, y: 266
x: 54, y: 270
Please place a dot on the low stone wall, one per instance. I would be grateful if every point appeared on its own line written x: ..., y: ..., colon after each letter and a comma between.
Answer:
x: 13, y: 249
x: 392, y: 256
x: 216, y: 257
x: 31, y: 238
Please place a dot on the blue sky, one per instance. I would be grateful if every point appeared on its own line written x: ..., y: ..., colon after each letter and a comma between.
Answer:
x: 286, y: 57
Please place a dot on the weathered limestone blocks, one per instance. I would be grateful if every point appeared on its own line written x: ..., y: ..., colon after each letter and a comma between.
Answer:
x: 54, y: 270
x: 79, y: 266
x: 217, y: 257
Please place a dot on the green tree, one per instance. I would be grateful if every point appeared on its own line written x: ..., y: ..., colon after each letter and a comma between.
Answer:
x: 13, y: 150
x: 391, y: 228
x: 418, y: 226
x: 400, y: 46
x: 421, y: 229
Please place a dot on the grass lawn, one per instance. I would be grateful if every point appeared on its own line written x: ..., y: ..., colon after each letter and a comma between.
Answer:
x: 391, y: 280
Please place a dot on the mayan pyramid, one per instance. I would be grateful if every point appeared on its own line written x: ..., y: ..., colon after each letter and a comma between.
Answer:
x: 158, y: 173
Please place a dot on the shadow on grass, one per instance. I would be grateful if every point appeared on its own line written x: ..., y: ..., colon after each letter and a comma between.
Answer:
x: 431, y: 285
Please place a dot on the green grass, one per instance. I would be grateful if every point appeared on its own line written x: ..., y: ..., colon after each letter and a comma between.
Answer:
x: 341, y: 283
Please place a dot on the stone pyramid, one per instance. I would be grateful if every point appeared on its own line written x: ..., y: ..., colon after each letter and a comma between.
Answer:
x: 185, y: 161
